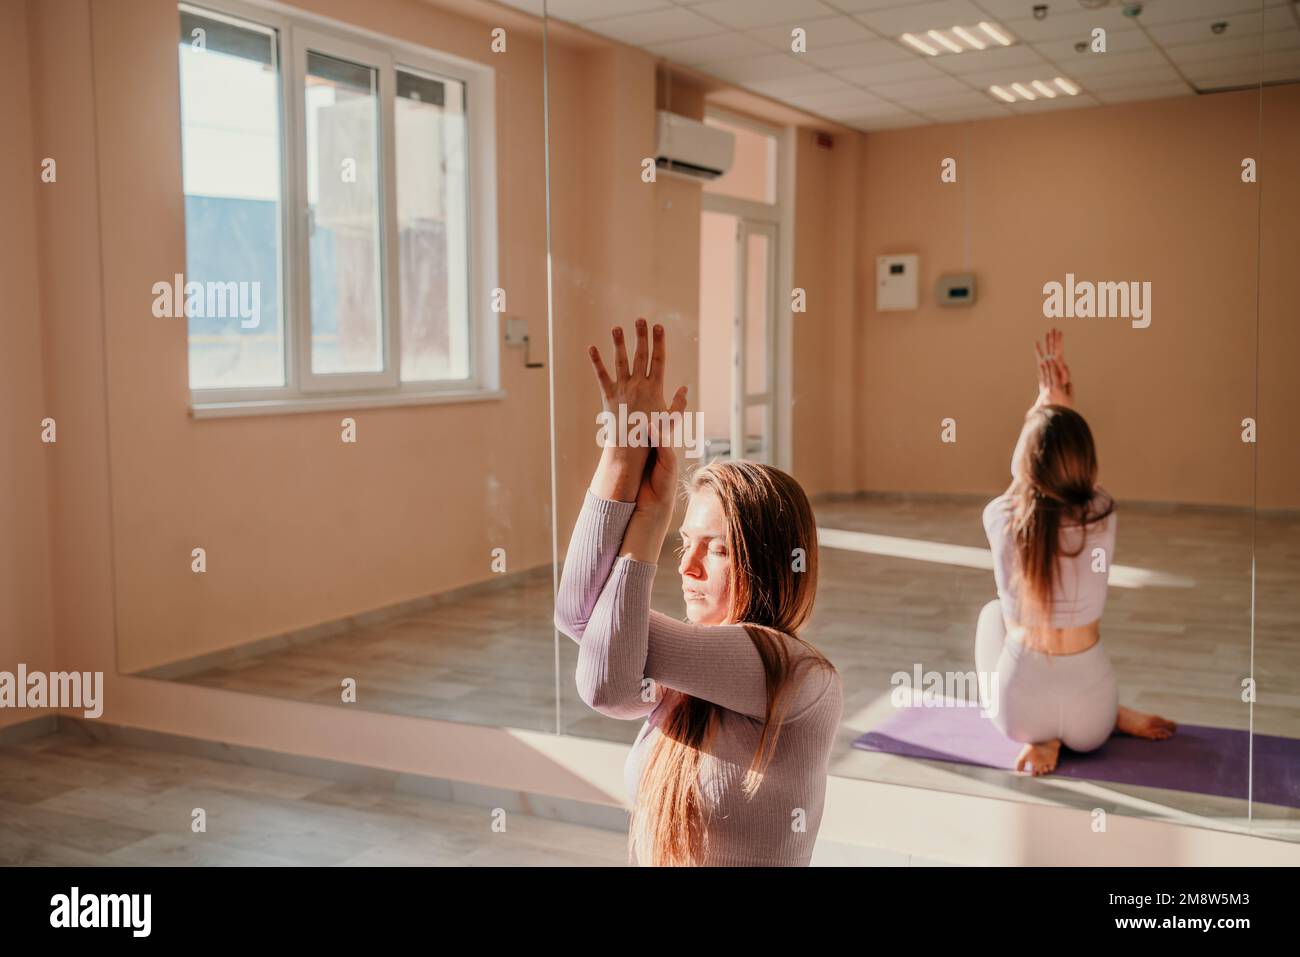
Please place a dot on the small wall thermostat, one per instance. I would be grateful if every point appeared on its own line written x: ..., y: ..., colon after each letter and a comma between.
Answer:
x: 896, y: 282
x: 955, y: 289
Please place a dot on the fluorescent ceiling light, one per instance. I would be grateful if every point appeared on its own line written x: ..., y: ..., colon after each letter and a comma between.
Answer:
x: 969, y: 37
x: 942, y: 40
x: 1026, y: 93
x: 957, y: 39
x: 919, y: 44
x: 995, y: 33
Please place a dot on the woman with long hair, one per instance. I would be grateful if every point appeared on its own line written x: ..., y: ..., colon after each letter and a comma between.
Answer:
x: 740, y: 712
x: 1052, y: 534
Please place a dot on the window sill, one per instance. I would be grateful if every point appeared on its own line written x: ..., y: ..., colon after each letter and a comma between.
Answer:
x: 334, y: 403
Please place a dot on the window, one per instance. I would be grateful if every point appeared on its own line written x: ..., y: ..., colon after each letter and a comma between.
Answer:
x: 753, y: 171
x: 328, y: 212
x: 231, y: 161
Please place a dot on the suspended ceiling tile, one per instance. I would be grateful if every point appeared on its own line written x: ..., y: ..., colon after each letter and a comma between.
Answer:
x: 820, y: 33
x: 890, y: 73
x: 1073, y: 23
x: 1044, y: 105
x: 798, y: 85
x: 748, y: 14
x: 702, y: 50
x: 576, y: 11
x: 1152, y: 76
x: 920, y: 88
x: 1064, y: 52
x: 979, y: 61
x: 655, y: 26
x: 1117, y: 63
x: 1157, y: 91
x: 769, y: 66
x: 919, y: 17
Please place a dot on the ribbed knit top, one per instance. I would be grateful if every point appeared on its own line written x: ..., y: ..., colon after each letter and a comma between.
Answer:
x: 624, y: 646
x: 1083, y: 564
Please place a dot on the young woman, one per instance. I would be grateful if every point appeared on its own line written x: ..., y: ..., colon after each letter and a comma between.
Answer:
x: 730, y: 766
x: 1053, y: 539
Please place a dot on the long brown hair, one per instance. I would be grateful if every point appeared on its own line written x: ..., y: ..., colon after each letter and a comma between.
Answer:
x: 1055, y: 485
x: 768, y: 516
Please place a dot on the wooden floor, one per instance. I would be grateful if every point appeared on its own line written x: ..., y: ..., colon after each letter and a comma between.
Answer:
x: 68, y: 800
x: 1180, y: 651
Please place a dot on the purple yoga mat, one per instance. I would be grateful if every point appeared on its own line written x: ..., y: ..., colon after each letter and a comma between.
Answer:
x: 1197, y: 758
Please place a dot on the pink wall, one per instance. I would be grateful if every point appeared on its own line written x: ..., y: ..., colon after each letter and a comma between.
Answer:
x: 1141, y: 191
x: 26, y: 588
x: 827, y: 374
x: 300, y: 528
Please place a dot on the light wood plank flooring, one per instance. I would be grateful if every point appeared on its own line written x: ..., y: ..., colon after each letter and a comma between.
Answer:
x: 68, y: 800
x: 1183, y: 652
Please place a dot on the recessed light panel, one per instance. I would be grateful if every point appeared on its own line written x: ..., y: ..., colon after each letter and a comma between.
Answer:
x: 962, y: 38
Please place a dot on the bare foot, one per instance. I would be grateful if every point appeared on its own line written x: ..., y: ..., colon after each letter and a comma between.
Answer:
x: 1040, y: 758
x: 1142, y: 725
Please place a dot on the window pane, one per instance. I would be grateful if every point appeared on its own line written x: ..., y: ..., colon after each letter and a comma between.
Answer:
x: 753, y: 168
x: 230, y: 149
x: 758, y: 312
x: 432, y: 201
x: 342, y: 112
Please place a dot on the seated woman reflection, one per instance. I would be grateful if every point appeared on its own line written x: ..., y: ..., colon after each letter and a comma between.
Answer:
x: 1053, y: 539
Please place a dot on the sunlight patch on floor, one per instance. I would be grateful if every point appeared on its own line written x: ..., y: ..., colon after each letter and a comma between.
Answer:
x: 917, y: 549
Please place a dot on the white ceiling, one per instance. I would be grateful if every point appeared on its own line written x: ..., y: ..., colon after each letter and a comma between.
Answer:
x: 856, y: 71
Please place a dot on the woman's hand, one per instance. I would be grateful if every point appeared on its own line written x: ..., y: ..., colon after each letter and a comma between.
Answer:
x: 1054, y: 384
x: 637, y: 386
x: 659, y: 485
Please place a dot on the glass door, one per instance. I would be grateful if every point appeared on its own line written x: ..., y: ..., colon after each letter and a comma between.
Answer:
x: 737, y: 280
x: 753, y: 340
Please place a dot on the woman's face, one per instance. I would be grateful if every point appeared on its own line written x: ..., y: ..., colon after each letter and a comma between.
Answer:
x: 705, y: 564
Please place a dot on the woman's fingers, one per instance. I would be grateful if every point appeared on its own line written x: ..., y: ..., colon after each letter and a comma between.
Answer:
x: 657, y: 354
x: 620, y: 354
x: 642, y: 353
x: 602, y: 374
x: 679, y: 400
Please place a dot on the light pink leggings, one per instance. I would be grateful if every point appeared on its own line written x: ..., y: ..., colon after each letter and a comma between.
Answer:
x: 1040, y: 696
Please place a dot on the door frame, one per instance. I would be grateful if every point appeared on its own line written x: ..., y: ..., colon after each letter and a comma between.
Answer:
x: 780, y: 214
x: 742, y: 399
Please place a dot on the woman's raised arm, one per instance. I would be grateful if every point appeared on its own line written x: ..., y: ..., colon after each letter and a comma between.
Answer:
x: 630, y: 496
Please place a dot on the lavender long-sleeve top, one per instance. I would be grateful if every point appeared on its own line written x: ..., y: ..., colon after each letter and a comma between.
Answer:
x: 626, y: 650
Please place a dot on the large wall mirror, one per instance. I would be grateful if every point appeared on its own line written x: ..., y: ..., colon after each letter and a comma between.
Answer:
x: 856, y: 221
x: 330, y: 441
x: 353, y: 417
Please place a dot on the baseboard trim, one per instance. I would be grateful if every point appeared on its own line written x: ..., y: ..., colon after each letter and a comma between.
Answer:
x: 12, y: 734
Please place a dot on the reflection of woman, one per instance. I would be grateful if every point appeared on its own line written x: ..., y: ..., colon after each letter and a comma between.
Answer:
x: 730, y: 767
x: 1053, y: 538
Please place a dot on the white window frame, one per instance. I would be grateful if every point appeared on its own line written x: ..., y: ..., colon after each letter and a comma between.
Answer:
x: 305, y: 391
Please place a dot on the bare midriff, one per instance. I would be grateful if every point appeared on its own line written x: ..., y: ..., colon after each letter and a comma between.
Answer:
x: 1056, y: 641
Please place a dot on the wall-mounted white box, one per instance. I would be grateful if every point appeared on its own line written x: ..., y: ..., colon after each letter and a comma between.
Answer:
x: 897, y: 282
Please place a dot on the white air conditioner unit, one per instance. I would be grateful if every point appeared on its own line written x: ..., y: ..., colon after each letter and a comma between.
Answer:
x: 692, y: 149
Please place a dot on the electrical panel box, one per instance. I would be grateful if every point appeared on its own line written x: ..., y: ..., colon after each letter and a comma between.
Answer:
x: 897, y: 282
x: 955, y: 289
